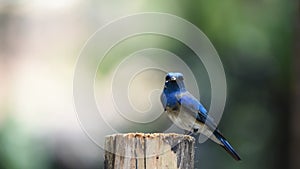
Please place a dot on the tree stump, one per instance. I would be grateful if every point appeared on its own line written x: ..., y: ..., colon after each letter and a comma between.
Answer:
x: 149, y: 151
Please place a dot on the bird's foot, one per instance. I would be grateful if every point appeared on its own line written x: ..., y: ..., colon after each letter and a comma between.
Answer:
x: 192, y: 132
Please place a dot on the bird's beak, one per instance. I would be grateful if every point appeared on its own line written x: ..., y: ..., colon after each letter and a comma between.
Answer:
x: 173, y: 78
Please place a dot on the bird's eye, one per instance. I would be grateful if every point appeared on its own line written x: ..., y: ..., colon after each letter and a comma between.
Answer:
x: 168, y: 77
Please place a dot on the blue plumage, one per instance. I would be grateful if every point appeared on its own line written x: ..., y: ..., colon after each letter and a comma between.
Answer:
x: 189, y: 114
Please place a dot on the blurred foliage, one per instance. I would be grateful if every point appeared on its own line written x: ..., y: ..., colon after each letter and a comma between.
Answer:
x: 254, y: 40
x: 19, y: 150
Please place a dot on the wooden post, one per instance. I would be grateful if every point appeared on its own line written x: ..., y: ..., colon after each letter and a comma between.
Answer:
x: 149, y: 151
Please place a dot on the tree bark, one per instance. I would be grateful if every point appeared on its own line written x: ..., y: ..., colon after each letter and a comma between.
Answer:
x: 149, y: 151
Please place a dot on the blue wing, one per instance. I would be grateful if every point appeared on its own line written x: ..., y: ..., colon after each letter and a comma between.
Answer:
x: 197, y: 109
x: 191, y: 103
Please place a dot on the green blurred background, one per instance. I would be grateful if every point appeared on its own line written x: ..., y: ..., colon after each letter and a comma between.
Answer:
x: 257, y: 42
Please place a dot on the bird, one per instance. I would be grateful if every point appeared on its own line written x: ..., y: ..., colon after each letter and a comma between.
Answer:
x: 186, y: 112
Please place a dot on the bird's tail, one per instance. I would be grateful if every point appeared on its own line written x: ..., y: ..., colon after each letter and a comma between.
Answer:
x: 225, y: 144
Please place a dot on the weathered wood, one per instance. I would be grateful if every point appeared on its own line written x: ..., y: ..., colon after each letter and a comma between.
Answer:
x: 149, y: 151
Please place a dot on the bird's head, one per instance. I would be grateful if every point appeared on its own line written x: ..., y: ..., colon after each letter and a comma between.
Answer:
x: 174, y: 81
